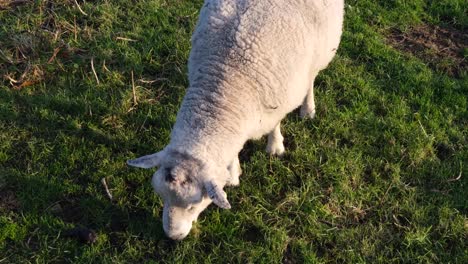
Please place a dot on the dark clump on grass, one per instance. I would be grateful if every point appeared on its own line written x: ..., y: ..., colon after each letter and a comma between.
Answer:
x: 8, y: 4
x: 444, y: 151
x: 443, y: 48
x: 253, y: 234
x: 82, y: 234
x: 8, y: 201
x: 288, y: 256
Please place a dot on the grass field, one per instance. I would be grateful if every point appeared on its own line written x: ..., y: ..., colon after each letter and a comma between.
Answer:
x: 380, y: 176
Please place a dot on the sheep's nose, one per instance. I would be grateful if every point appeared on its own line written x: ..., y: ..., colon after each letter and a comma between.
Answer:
x: 177, y: 234
x: 178, y: 231
x: 178, y: 237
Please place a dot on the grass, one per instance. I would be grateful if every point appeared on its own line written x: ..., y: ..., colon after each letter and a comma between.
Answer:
x: 378, y: 177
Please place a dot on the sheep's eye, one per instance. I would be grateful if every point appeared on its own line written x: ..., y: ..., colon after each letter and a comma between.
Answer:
x: 168, y: 175
x: 191, y: 208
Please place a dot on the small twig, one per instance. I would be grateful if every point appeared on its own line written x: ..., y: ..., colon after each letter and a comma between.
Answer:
x: 397, y: 222
x: 31, y: 235
x: 26, y: 72
x: 439, y: 191
x: 58, y: 236
x: 144, y: 121
x: 54, y: 55
x: 152, y: 81
x: 19, y: 52
x: 456, y: 179
x: 384, y: 197
x: 104, y: 66
x: 13, y: 82
x: 4, y: 56
x: 14, y: 3
x: 56, y: 35
x: 94, y: 71
x: 135, y: 102
x: 330, y: 224
x: 74, y: 28
x: 79, y: 8
x: 52, y: 205
x: 459, y: 175
x: 424, y: 130
x: 104, y: 183
x: 5, y: 258
x: 126, y: 39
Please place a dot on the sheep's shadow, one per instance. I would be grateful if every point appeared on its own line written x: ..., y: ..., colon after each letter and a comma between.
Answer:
x: 41, y: 198
x: 40, y: 192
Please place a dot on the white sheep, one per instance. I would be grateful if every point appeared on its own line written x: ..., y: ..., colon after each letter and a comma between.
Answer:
x: 252, y: 62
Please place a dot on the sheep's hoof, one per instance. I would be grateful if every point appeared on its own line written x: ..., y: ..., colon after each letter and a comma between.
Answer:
x: 234, y: 180
x: 307, y: 112
x: 235, y: 173
x: 276, y: 149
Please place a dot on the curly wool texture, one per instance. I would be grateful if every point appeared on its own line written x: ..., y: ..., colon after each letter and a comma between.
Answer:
x: 251, y: 63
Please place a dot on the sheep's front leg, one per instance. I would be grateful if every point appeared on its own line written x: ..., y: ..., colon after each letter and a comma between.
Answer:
x: 308, y: 106
x: 275, y: 142
x: 235, y: 171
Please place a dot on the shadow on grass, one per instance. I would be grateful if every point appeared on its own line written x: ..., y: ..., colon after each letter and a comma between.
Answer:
x: 41, y: 198
x: 66, y: 194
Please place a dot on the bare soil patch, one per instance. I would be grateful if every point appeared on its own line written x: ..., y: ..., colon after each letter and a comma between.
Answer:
x: 288, y: 256
x: 8, y: 201
x: 443, y: 48
x: 6, y: 4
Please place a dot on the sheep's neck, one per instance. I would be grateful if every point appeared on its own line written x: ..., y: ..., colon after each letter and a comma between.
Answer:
x: 208, y: 126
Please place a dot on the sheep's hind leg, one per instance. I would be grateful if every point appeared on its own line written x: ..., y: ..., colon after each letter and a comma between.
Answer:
x: 308, y: 106
x: 275, y: 142
x: 235, y: 171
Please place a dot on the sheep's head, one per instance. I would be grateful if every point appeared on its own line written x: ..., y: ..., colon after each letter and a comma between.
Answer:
x: 186, y: 185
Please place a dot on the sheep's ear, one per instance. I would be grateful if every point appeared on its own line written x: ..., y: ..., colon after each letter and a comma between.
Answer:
x: 146, y: 162
x: 217, y: 195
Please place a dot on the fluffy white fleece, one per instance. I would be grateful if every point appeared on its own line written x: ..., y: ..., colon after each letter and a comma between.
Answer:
x: 252, y: 62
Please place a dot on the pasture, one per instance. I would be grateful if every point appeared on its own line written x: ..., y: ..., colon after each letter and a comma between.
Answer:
x: 379, y: 176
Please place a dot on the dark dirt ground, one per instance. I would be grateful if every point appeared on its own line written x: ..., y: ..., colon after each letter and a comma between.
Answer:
x: 8, y: 201
x: 443, y: 48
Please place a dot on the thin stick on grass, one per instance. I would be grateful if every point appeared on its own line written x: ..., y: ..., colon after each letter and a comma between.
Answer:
x: 423, y: 130
x: 334, y: 225
x: 104, y: 66
x: 459, y: 175
x: 144, y: 121
x: 106, y: 188
x: 126, y: 39
x: 135, y: 102
x: 79, y: 8
x: 13, y: 82
x: 5, y: 258
x: 152, y: 81
x: 5, y: 57
x: 5, y: 4
x: 54, y: 55
x: 456, y: 179
x: 94, y: 71
x: 31, y: 235
x: 74, y: 28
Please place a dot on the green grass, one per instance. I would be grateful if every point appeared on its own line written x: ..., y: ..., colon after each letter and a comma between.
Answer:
x: 374, y: 178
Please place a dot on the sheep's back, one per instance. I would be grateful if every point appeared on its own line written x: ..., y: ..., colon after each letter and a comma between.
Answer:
x: 255, y: 58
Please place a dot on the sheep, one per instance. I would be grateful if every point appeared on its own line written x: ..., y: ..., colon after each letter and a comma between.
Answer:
x: 252, y: 62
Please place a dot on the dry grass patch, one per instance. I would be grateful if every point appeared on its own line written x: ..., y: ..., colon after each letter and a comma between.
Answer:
x: 7, y: 4
x: 443, y: 48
